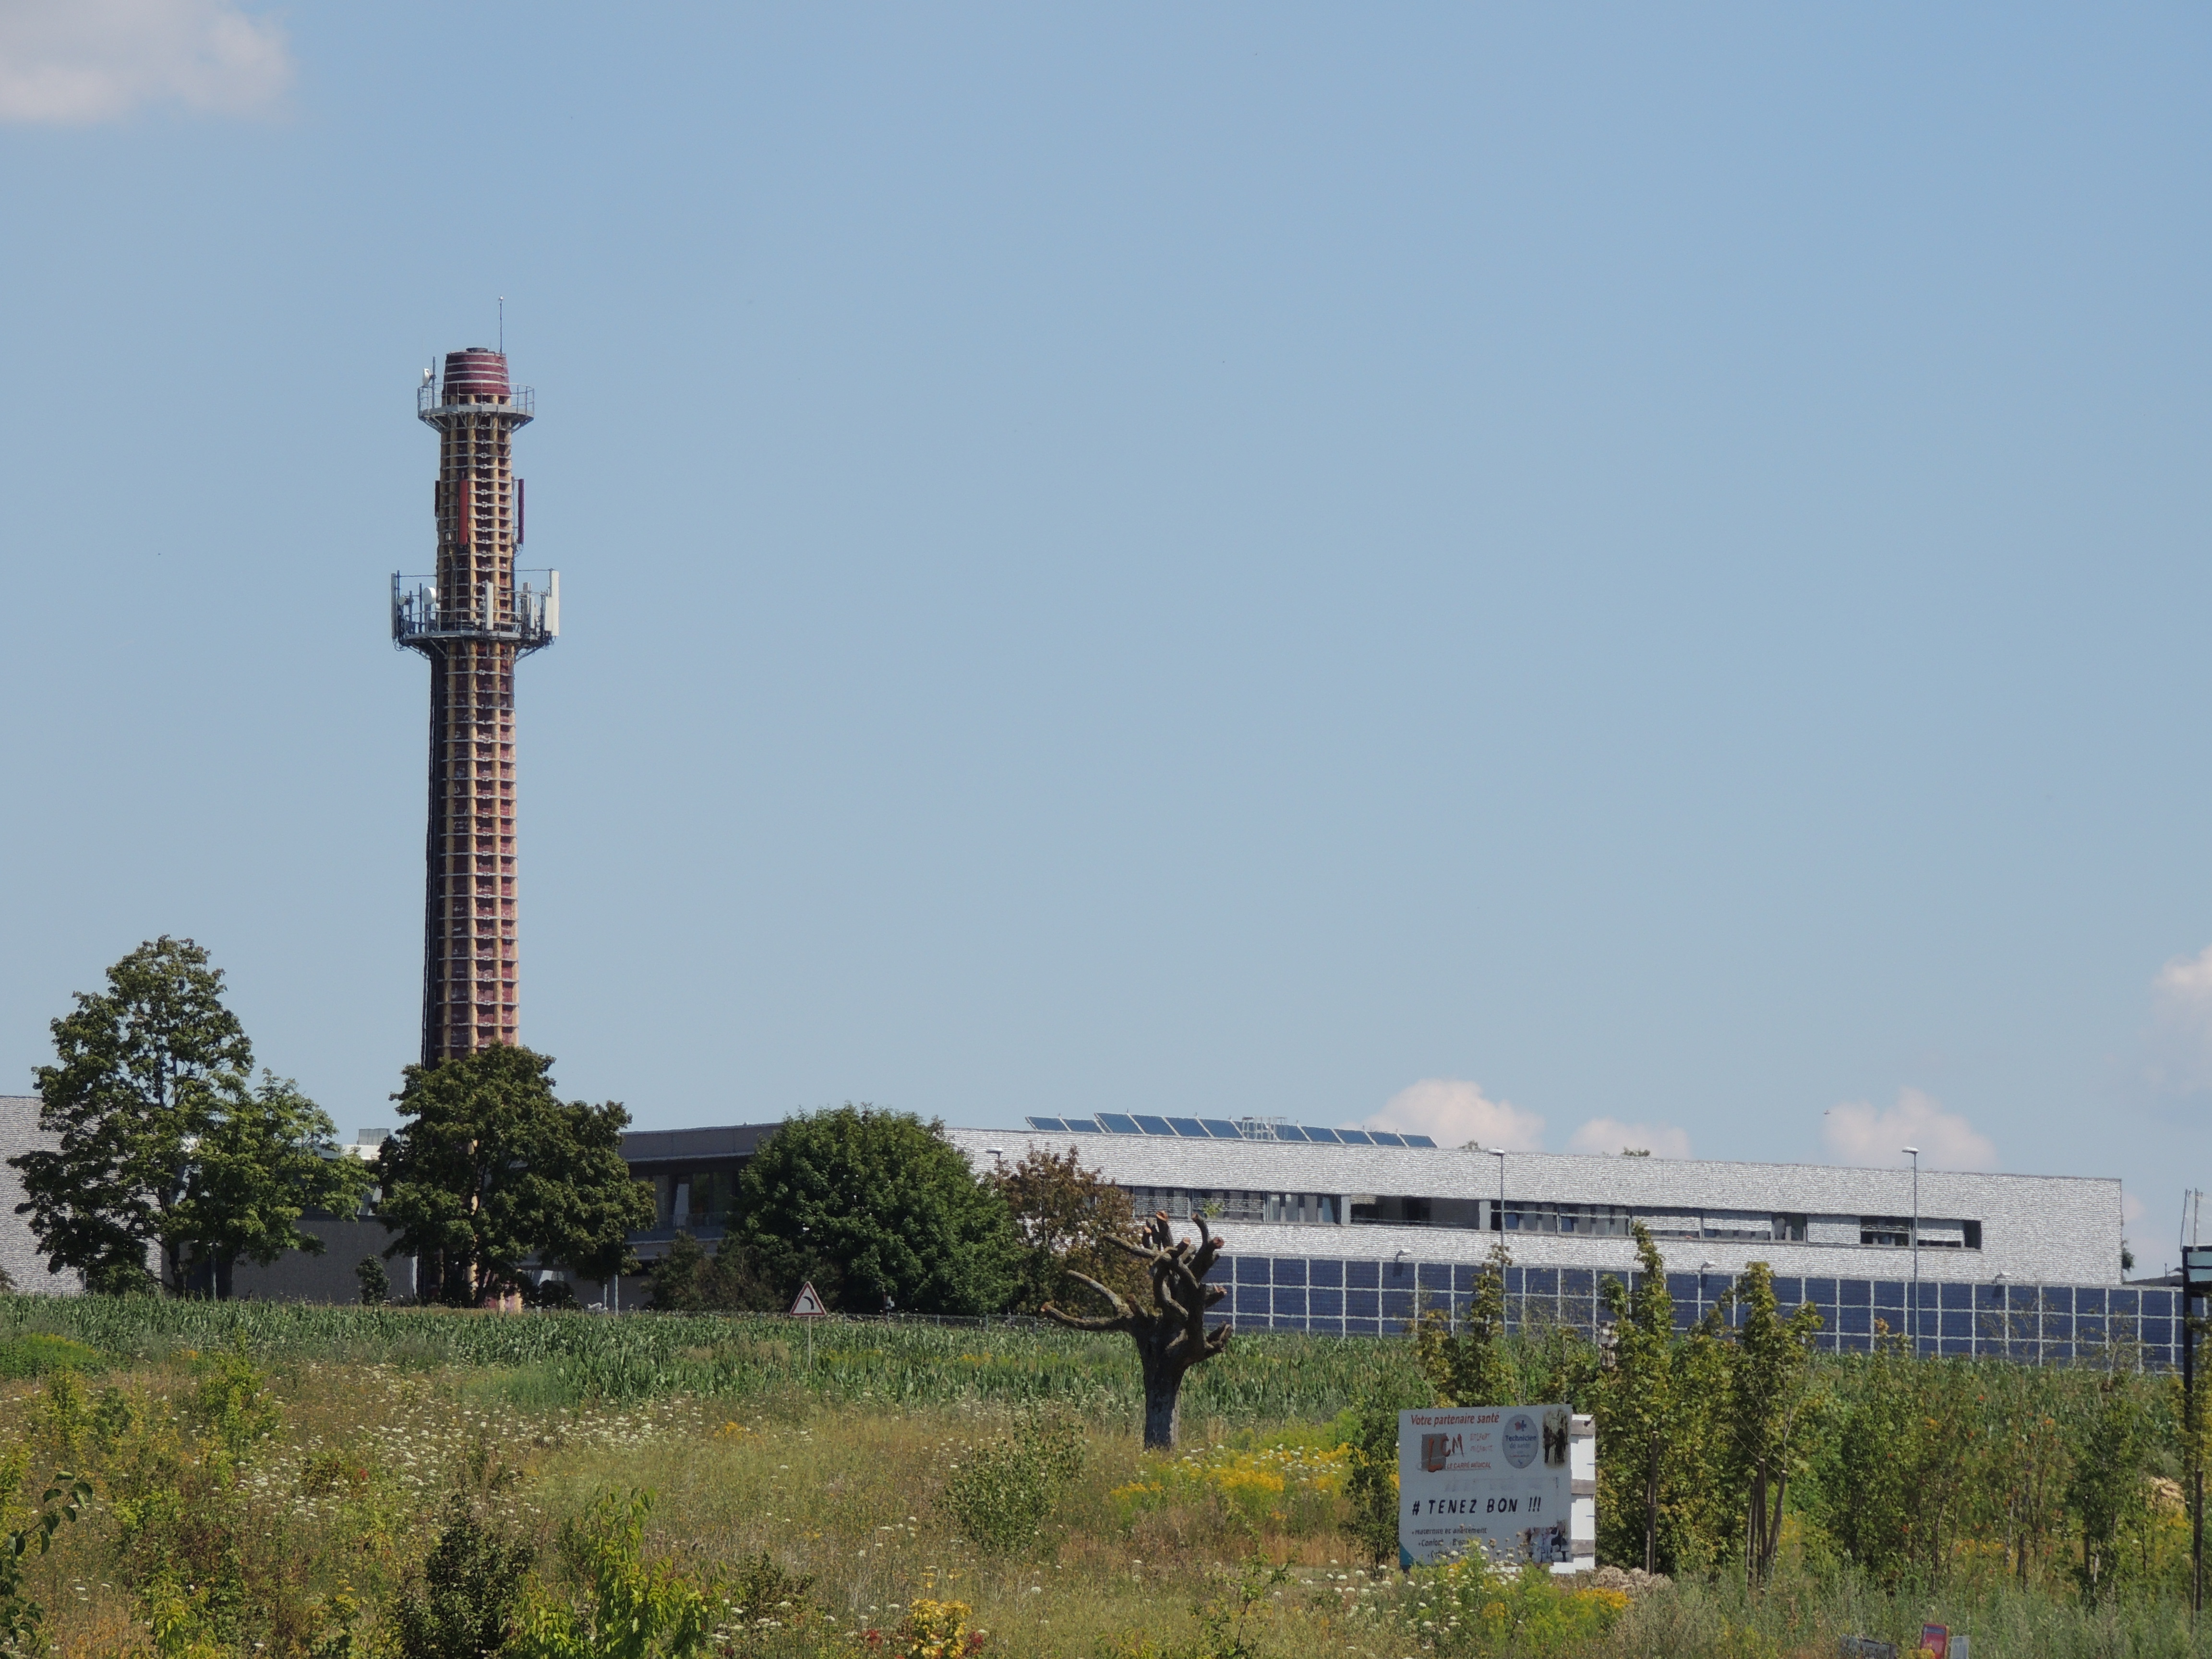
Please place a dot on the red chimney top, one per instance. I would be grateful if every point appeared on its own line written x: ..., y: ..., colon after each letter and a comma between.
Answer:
x: 475, y: 372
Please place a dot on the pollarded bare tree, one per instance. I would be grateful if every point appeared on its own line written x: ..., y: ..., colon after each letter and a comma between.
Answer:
x: 1172, y: 1336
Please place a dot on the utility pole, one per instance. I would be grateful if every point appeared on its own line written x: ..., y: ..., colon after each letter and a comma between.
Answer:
x: 1914, y: 1154
x: 2196, y: 1275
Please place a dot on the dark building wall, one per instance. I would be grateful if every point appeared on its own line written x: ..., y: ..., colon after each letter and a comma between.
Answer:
x: 296, y: 1276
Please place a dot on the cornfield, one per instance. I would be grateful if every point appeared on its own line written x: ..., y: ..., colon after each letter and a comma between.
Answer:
x: 550, y: 1359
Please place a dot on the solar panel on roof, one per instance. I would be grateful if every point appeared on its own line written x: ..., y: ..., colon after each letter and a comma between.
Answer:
x: 1354, y: 1137
x: 1049, y: 1125
x: 1289, y: 1131
x: 1118, y: 1123
x: 1384, y: 1138
x: 1153, y: 1126
x: 1082, y: 1126
x: 1327, y: 1137
x: 1188, y: 1127
x: 1419, y: 1140
x: 1220, y: 1128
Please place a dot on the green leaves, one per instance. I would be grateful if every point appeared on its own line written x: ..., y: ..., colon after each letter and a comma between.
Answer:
x: 466, y: 1606
x: 870, y: 1205
x: 163, y: 1143
x: 1000, y: 1492
x: 1469, y: 1366
x: 494, y: 1169
x: 628, y: 1609
x: 20, y: 1618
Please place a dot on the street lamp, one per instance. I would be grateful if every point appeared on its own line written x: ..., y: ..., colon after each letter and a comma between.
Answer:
x: 1499, y: 1153
x: 1914, y: 1154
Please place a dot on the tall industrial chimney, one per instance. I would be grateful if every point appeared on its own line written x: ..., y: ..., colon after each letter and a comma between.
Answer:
x: 473, y: 618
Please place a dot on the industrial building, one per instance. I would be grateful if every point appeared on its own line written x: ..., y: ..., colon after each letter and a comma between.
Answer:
x: 1348, y: 1237
x: 1341, y: 1232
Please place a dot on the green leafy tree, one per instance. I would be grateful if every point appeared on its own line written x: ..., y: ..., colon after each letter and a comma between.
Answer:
x: 1769, y: 1386
x: 266, y: 1159
x: 1635, y: 1404
x: 2108, y: 1486
x: 877, y: 1209
x: 1371, y: 1443
x: 492, y: 1169
x: 1067, y: 1216
x: 1471, y: 1365
x: 164, y: 1145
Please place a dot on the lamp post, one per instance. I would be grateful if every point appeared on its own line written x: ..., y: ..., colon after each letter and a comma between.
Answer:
x: 1499, y: 1153
x: 1914, y: 1154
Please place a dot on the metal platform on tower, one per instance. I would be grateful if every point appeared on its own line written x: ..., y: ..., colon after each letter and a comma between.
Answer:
x: 529, y: 619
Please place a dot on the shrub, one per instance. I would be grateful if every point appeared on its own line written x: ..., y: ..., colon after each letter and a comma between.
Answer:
x: 464, y: 1607
x: 763, y: 1599
x: 1467, y: 1606
x: 375, y: 1283
x: 628, y: 1610
x: 1000, y: 1491
x: 1224, y: 1619
x: 1371, y: 1479
x: 937, y: 1630
x: 34, y: 1354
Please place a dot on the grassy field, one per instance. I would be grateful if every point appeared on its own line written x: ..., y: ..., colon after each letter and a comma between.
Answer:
x: 270, y: 1481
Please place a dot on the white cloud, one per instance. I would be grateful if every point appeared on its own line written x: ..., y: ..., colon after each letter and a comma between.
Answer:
x: 2181, y: 1023
x: 1607, y: 1136
x: 71, y: 62
x: 1456, y: 1112
x: 1857, y: 1132
x: 2131, y: 1209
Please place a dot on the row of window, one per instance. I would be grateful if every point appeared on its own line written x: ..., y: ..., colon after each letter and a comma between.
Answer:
x: 1224, y: 1204
x: 704, y: 1197
x: 1577, y: 1220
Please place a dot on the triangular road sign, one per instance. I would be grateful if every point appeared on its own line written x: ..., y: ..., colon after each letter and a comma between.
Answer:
x: 809, y: 1305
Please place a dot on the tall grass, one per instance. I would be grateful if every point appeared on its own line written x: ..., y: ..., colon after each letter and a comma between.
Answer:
x: 550, y: 1359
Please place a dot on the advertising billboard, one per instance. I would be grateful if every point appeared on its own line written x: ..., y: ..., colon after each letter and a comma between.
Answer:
x: 1499, y: 1479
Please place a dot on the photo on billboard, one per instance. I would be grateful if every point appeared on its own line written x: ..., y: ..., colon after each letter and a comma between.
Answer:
x: 1496, y: 1480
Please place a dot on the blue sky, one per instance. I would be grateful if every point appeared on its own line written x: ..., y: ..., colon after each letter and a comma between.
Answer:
x: 1517, y: 570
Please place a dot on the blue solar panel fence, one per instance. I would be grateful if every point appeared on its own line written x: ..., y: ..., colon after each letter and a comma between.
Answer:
x: 2129, y: 1326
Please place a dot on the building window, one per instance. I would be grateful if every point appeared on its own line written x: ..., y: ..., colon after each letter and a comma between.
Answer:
x: 1584, y: 1220
x: 1218, y: 1204
x: 1370, y: 1209
x: 1895, y: 1231
x: 698, y: 1198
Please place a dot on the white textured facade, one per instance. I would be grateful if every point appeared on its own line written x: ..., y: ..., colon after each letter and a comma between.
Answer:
x: 2025, y: 1229
x: 19, y: 1246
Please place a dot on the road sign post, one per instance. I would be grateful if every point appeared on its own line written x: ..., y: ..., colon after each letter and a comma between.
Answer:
x: 807, y: 1305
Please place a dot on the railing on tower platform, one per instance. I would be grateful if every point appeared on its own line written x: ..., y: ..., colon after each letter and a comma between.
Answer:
x: 522, y: 401
x: 529, y: 616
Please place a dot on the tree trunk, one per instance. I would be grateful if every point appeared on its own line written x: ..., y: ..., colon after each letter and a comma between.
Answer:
x: 1652, y: 1510
x: 1163, y: 1399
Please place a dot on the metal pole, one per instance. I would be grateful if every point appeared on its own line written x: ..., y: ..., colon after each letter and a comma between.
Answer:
x: 1915, y: 1321
x: 2196, y: 1459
